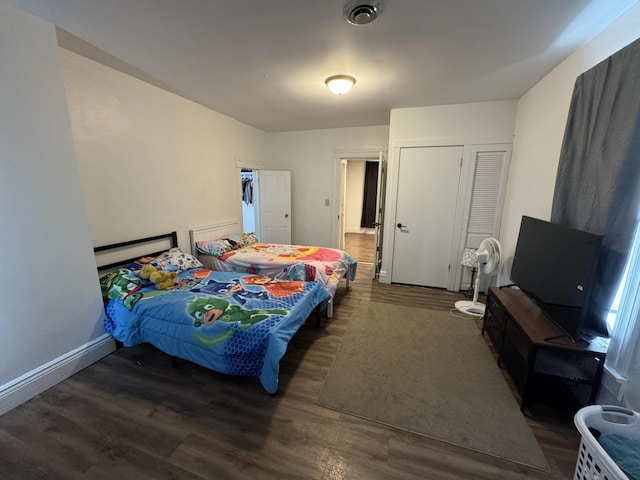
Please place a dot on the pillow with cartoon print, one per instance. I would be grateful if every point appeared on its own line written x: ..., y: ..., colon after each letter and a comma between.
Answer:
x: 242, y: 240
x: 175, y: 260
x: 214, y: 247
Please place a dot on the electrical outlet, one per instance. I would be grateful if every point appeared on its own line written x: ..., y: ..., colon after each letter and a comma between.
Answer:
x: 327, y: 202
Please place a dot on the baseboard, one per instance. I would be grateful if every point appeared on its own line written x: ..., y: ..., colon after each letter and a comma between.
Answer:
x: 382, y: 277
x: 612, y: 388
x: 46, y: 376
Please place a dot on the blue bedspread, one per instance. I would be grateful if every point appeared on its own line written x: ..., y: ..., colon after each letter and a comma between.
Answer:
x: 238, y: 324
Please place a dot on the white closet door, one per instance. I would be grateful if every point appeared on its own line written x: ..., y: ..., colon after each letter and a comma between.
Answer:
x: 428, y: 183
x: 491, y: 166
x: 488, y: 184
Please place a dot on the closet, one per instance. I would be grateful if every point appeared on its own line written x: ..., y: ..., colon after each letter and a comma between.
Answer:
x: 446, y: 198
x: 248, y: 205
x: 266, y: 204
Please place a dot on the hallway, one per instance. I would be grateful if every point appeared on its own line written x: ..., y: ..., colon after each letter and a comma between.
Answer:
x: 360, y: 246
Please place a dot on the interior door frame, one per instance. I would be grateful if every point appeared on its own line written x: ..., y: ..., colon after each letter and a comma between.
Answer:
x: 251, y: 165
x: 381, y: 188
x: 337, y: 230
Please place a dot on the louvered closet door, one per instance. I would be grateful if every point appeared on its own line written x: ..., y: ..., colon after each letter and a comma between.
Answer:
x: 489, y: 181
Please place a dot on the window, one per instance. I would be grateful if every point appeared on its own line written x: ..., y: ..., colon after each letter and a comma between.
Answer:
x: 623, y: 319
x: 615, y: 305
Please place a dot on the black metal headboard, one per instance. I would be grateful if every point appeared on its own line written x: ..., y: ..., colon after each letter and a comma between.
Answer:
x: 170, y: 239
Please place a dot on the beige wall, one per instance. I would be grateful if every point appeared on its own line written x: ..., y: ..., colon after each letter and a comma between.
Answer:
x: 150, y: 161
x: 354, y: 197
x: 313, y: 158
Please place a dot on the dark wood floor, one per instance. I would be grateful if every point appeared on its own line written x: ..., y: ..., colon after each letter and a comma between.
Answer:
x: 118, y: 419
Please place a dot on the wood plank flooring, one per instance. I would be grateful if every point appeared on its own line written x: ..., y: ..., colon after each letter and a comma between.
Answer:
x: 360, y: 246
x: 119, y: 419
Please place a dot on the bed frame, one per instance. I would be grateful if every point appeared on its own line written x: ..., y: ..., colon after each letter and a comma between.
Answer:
x: 112, y: 255
x: 118, y: 254
x: 212, y: 232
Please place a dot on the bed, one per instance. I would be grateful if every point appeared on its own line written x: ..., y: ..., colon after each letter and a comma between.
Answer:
x: 230, y: 322
x: 225, y: 248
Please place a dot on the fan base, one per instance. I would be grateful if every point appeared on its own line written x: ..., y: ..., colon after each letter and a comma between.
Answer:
x: 470, y: 308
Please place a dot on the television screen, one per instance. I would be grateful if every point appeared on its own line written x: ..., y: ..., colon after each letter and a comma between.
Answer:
x: 555, y: 265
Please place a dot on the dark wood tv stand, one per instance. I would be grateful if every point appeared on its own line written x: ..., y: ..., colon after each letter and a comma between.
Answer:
x: 554, y: 371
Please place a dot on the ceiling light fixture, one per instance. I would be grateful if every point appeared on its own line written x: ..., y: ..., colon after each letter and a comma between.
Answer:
x: 340, y: 84
x: 362, y: 12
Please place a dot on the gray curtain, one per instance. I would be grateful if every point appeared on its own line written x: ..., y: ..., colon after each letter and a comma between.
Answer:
x: 368, y: 217
x: 598, y: 181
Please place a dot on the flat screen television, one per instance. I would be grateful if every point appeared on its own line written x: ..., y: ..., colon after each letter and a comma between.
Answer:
x: 555, y: 265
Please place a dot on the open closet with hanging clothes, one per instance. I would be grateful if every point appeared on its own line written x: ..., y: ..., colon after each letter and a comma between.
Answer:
x: 248, y: 206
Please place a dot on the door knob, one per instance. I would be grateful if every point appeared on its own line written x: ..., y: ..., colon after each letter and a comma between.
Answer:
x: 401, y: 226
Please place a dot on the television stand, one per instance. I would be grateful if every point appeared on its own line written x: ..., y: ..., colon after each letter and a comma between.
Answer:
x: 558, y: 372
x: 565, y: 336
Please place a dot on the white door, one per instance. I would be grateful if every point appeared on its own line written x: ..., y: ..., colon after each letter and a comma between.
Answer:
x: 428, y: 181
x: 274, y: 200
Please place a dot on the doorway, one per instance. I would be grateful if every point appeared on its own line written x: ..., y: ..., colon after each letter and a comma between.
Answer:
x: 359, y: 231
x: 247, y: 188
x: 266, y: 204
x: 361, y: 207
x: 360, y: 246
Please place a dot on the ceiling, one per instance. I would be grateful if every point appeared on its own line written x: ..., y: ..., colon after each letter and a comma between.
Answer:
x: 263, y: 62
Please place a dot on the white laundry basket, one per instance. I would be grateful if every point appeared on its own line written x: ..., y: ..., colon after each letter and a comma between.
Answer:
x: 593, y: 461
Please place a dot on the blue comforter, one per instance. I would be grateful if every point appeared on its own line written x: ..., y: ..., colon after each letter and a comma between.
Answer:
x: 238, y: 324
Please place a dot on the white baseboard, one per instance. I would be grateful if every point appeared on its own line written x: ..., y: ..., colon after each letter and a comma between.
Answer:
x: 46, y: 376
x: 612, y: 388
x: 383, y: 278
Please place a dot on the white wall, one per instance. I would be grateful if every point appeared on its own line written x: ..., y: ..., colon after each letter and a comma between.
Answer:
x: 313, y: 158
x: 50, y: 303
x: 150, y: 161
x: 465, y: 124
x: 540, y: 124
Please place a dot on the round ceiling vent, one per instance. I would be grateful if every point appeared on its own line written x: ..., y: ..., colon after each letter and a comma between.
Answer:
x: 362, y: 12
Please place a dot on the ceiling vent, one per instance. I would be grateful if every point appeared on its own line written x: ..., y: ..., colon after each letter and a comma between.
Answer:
x: 362, y: 12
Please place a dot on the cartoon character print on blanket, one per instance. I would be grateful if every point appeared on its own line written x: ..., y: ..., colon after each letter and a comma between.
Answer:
x: 210, y: 304
x: 233, y: 288
x: 207, y: 310
x: 277, y: 289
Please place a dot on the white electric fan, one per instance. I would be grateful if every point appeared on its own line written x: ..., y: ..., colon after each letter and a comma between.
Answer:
x: 488, y: 255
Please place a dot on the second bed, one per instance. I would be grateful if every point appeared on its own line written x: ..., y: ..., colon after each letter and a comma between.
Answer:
x: 224, y: 248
